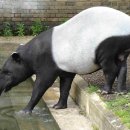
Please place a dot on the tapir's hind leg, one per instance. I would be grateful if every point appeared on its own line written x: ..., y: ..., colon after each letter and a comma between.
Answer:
x: 65, y: 85
x: 110, y: 70
x: 115, y: 68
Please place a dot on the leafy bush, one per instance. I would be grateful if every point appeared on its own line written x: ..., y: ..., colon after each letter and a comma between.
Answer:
x: 7, y: 29
x: 20, y: 29
x: 64, y: 20
x: 37, y: 27
x: 45, y: 27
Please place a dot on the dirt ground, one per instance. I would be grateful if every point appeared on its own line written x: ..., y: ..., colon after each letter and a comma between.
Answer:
x: 97, y: 78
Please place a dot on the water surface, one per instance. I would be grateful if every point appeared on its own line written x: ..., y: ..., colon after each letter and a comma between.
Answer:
x: 14, y: 101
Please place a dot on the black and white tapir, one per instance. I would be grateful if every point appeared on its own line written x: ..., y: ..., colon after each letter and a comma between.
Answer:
x: 97, y: 38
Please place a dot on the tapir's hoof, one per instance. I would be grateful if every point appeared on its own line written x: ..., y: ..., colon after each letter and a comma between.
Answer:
x: 103, y: 92
x: 59, y: 106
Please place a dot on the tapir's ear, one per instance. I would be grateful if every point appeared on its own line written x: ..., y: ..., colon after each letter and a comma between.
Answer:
x: 16, y: 56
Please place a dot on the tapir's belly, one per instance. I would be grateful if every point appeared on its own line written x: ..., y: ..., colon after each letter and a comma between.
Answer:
x: 74, y: 42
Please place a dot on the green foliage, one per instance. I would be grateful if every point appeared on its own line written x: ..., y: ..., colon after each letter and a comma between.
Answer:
x: 117, y: 102
x: 45, y: 27
x: 120, y: 105
x: 37, y: 27
x: 91, y: 89
x: 64, y: 20
x: 7, y: 29
x: 20, y: 29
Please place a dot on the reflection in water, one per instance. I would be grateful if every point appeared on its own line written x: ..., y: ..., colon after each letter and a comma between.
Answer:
x: 10, y: 105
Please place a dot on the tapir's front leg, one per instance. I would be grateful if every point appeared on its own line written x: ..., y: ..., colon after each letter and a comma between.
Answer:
x: 42, y: 83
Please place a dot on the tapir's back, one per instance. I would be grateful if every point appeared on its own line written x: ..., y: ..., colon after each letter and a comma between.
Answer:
x: 74, y: 42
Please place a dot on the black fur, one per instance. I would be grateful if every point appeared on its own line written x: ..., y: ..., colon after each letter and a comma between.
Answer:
x: 112, y: 55
x: 36, y: 58
x: 46, y: 70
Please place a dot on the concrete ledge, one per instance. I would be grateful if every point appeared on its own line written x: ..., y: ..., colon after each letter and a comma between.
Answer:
x: 94, y: 107
x: 67, y: 119
x: 16, y: 39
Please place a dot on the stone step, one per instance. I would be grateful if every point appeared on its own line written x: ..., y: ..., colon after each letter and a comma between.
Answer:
x: 71, y: 118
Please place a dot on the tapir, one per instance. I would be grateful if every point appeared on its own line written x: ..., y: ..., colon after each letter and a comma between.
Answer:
x: 96, y: 38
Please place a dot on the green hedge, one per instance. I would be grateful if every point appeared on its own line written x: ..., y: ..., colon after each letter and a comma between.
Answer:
x: 20, y: 30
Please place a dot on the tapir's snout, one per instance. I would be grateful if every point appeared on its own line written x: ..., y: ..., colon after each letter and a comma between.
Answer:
x: 14, y: 71
x: 1, y: 83
x: 5, y: 81
x: 1, y: 90
x: 4, y: 89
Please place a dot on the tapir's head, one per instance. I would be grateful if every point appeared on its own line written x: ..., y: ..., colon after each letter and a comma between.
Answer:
x: 14, y: 71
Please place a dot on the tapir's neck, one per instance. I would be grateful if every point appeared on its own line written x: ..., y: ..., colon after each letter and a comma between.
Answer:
x: 39, y: 49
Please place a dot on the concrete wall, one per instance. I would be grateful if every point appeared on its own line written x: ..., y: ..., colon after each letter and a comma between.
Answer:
x: 52, y: 11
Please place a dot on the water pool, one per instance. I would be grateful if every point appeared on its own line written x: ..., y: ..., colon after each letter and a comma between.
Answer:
x: 17, y: 99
